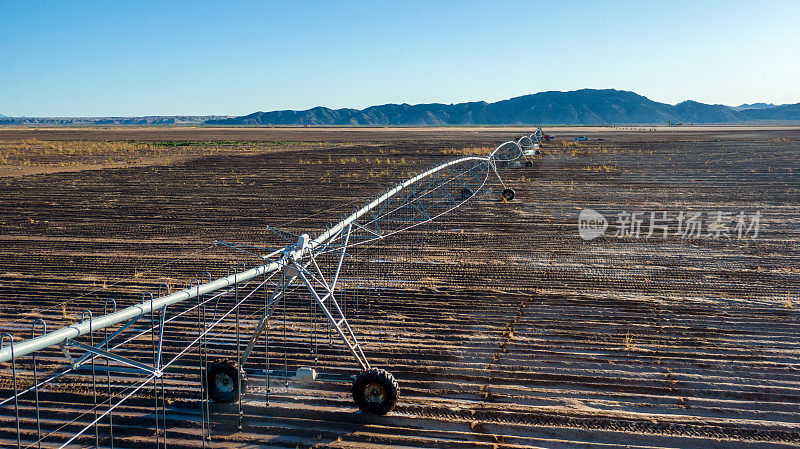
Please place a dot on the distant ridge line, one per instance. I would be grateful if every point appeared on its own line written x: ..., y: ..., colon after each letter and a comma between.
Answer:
x: 577, y: 107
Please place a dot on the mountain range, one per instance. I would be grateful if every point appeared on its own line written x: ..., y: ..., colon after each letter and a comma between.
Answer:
x: 756, y: 106
x: 579, y: 107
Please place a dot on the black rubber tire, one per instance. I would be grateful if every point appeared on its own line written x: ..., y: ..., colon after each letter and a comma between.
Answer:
x: 466, y: 192
x: 529, y: 164
x: 508, y: 195
x: 222, y: 385
x: 375, y: 391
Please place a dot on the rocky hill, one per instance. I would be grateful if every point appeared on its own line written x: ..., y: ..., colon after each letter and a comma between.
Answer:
x: 580, y: 107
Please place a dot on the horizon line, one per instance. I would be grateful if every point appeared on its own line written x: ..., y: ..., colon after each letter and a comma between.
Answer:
x: 217, y: 116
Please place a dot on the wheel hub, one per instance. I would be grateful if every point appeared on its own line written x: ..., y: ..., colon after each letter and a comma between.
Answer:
x: 224, y: 383
x: 374, y: 392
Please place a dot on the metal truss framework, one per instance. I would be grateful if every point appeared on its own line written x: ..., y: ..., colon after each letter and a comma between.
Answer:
x: 418, y: 200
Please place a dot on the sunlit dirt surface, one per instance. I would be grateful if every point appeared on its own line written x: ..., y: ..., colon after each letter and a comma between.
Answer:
x: 503, y: 326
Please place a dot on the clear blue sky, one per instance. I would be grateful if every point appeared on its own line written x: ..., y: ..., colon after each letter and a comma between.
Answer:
x: 140, y: 58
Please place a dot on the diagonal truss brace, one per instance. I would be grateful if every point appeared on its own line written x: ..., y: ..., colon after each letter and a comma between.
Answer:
x: 321, y: 291
x: 111, y: 356
x: 294, y: 270
x: 272, y: 304
x: 78, y: 361
x: 337, y: 319
x: 334, y: 313
x: 98, y: 351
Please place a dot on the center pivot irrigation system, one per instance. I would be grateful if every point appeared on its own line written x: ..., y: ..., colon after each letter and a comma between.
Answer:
x: 304, y: 265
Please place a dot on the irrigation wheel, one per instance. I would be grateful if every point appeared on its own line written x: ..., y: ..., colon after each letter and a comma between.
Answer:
x: 222, y: 381
x: 508, y: 195
x: 375, y: 391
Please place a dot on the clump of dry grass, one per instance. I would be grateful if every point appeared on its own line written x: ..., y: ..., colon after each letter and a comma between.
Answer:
x: 30, y: 147
x: 469, y: 151
x: 37, y: 152
x: 349, y: 160
x: 629, y: 342
x: 601, y: 168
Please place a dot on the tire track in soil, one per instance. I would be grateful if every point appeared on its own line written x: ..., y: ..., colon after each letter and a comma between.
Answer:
x: 478, y: 426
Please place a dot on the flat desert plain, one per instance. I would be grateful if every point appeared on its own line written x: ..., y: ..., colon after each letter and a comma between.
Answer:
x: 502, y: 325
